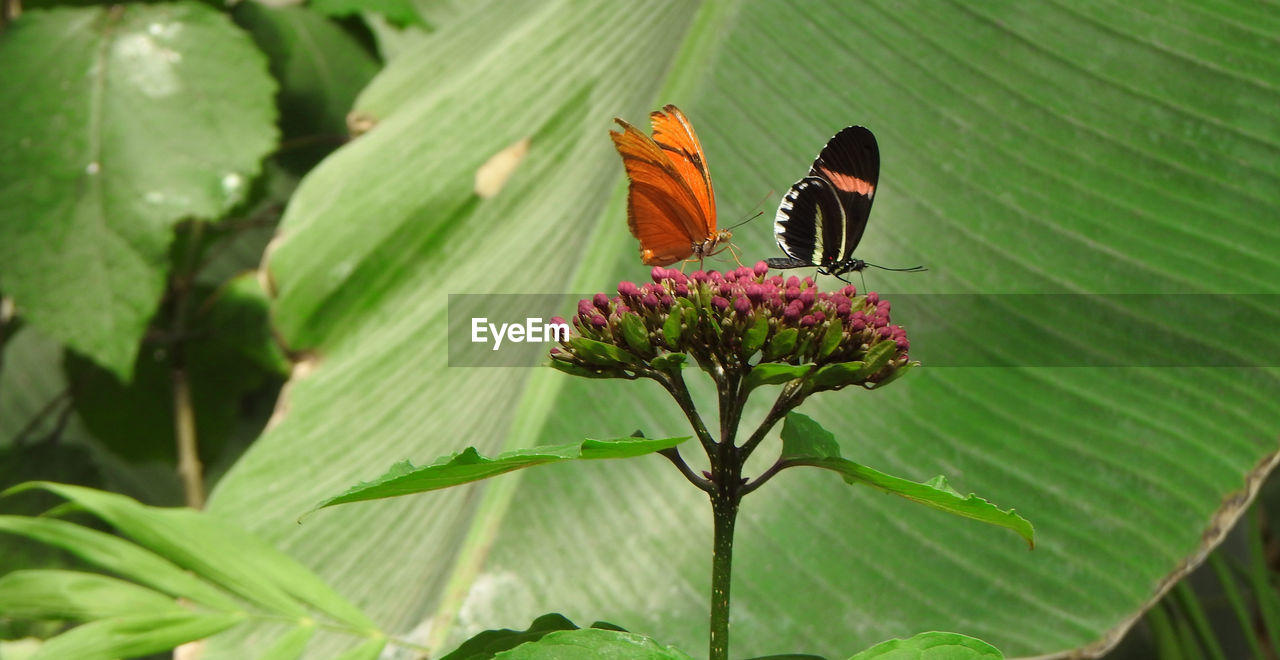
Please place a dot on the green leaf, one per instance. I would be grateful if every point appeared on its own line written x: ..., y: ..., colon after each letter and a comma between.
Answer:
x: 831, y: 376
x: 131, y: 636
x: 120, y: 122
x: 805, y: 442
x: 932, y: 646
x: 830, y: 339
x: 217, y: 551
x: 593, y: 644
x: 232, y: 353
x: 320, y: 67
x: 56, y: 594
x: 635, y: 334
x: 804, y: 438
x: 370, y: 650
x: 605, y: 355
x: 575, y: 370
x: 1029, y: 147
x: 118, y: 556
x: 773, y: 373
x: 399, y: 12
x: 291, y: 644
x: 673, y: 326
x: 490, y: 642
x: 783, y: 342
x: 753, y: 338
x: 468, y: 465
x: 669, y: 362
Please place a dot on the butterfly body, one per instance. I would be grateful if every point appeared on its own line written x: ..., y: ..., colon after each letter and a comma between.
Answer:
x: 822, y: 217
x: 671, y: 205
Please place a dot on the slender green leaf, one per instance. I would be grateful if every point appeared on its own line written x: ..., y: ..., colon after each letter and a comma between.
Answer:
x: 118, y: 556
x: 290, y: 645
x: 932, y: 646
x: 129, y: 119
x: 56, y: 594
x: 807, y: 443
x: 221, y: 553
x: 370, y: 650
x: 132, y: 636
x: 468, y: 465
x: 593, y: 644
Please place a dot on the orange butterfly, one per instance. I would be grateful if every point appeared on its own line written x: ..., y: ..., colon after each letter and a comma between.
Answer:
x: 671, y: 207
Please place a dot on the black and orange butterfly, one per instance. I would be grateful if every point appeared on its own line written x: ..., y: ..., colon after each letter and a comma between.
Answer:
x: 671, y: 206
x: 821, y: 218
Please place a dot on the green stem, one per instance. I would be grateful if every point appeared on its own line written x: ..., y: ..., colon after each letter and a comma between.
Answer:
x: 724, y: 508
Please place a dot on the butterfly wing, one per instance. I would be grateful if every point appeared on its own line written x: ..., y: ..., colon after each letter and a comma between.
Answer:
x: 850, y: 163
x: 670, y: 204
x: 821, y: 218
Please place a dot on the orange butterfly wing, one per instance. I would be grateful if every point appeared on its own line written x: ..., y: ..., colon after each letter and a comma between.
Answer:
x: 671, y: 206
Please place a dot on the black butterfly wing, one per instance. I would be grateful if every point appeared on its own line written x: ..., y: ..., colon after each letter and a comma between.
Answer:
x: 810, y: 223
x: 850, y: 163
x: 821, y: 218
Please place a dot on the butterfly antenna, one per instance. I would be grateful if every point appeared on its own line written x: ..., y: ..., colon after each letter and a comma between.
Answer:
x: 758, y: 214
x: 913, y: 269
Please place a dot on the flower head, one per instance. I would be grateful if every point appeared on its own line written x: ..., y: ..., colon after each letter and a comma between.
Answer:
x: 732, y: 323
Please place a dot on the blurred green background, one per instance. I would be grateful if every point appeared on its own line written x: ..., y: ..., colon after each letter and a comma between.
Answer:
x: 1084, y: 147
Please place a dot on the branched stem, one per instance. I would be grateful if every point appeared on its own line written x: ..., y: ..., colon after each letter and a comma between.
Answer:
x: 777, y: 467
x: 673, y: 454
x: 788, y: 399
x: 680, y: 392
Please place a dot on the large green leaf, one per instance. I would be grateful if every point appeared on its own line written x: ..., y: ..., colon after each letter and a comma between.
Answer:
x: 127, y: 119
x: 1027, y: 147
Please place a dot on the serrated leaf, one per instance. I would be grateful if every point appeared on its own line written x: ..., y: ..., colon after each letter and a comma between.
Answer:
x: 805, y: 442
x: 468, y: 465
x: 932, y: 646
x: 121, y: 121
x: 593, y: 644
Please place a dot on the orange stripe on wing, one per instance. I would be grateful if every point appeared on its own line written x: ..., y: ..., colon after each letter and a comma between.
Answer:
x: 849, y: 183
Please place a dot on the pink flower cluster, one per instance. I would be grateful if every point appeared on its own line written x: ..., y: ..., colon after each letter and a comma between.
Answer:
x: 736, y: 319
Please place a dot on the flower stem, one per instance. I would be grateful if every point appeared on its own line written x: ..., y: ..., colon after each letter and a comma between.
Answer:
x: 724, y: 508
